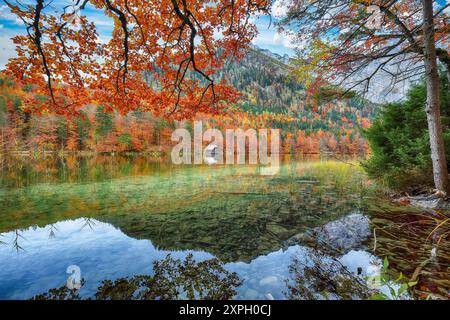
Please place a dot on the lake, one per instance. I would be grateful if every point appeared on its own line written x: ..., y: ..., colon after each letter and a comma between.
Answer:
x: 115, y: 216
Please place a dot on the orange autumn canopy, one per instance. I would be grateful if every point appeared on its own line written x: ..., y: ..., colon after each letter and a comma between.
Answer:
x: 161, y: 57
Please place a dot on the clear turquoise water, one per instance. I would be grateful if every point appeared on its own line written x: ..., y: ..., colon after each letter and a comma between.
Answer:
x: 115, y: 216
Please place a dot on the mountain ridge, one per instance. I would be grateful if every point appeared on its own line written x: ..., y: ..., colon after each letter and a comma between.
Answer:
x: 264, y: 79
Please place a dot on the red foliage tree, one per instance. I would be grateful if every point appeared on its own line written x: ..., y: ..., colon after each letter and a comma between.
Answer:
x: 161, y: 57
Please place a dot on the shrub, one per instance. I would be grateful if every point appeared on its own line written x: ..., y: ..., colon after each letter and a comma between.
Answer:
x: 399, y: 141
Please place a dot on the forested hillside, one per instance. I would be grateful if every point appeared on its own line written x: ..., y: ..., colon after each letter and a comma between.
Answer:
x: 264, y: 79
x: 270, y: 98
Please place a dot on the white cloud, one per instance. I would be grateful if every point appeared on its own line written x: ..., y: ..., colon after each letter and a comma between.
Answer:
x: 7, y: 50
x: 447, y: 10
x: 6, y: 14
x: 18, y: 21
x: 280, y: 8
x: 286, y: 40
x: 264, y: 38
x: 101, y: 20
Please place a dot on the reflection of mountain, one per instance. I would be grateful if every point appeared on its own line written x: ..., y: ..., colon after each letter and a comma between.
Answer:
x: 234, y: 219
x: 104, y: 252
x: 234, y: 227
x: 101, y: 251
x: 342, y: 235
x: 230, y: 211
x: 227, y: 211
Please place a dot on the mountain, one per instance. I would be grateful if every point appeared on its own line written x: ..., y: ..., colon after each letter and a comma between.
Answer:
x: 271, y: 98
x: 281, y: 58
x: 264, y: 80
x: 262, y: 77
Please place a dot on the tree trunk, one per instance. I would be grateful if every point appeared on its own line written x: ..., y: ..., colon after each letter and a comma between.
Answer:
x: 432, y: 107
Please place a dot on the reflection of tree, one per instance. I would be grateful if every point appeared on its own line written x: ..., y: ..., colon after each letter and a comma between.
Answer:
x: 53, y: 230
x: 26, y: 171
x: 17, y: 236
x: 323, y: 277
x: 88, y: 222
x: 15, y: 242
x: 172, y: 279
x: 62, y: 293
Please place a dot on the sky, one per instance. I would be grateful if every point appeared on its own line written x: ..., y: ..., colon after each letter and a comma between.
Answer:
x: 10, y: 25
x: 268, y: 38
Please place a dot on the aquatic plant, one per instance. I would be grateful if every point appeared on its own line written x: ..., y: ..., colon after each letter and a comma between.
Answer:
x: 62, y: 293
x: 323, y: 277
x: 415, y: 242
x: 397, y: 286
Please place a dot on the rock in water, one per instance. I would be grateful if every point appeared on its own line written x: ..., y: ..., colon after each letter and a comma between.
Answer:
x: 344, y: 234
x: 269, y: 296
x: 431, y: 203
x: 251, y: 294
x: 268, y: 281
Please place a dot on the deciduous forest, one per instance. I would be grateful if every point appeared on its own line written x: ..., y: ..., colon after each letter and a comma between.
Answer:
x: 351, y: 201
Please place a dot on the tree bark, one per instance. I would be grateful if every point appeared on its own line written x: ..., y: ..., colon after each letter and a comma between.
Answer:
x: 432, y: 108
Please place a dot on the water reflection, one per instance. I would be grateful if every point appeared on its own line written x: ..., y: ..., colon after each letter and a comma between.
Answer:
x: 337, y: 236
x: 103, y: 251
x: 172, y: 279
x: 248, y: 214
x: 101, y: 213
x: 19, y: 172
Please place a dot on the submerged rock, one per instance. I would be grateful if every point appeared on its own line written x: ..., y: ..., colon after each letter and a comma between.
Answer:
x: 269, y: 281
x: 251, y: 294
x: 349, y: 232
x: 431, y: 202
x: 269, y: 296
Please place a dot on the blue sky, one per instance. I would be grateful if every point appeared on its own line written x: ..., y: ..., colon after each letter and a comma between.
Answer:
x: 268, y: 37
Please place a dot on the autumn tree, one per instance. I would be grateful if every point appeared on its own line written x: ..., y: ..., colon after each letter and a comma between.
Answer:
x: 161, y: 57
x: 432, y: 108
x: 357, y: 44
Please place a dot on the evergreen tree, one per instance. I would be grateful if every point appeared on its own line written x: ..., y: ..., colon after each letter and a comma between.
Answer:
x: 104, y: 122
x: 399, y: 139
